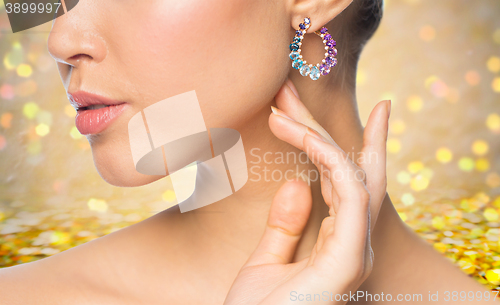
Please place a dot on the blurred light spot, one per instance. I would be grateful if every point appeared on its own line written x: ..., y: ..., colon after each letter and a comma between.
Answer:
x: 439, y: 88
x: 3, y: 142
x: 414, y: 103
x: 493, y: 122
x: 30, y: 110
x: 24, y: 70
x: 403, y: 177
x: 427, y: 33
x: 480, y: 147
x: 97, y: 205
x: 361, y: 77
x: 397, y: 127
x: 59, y: 238
x: 491, y: 214
x: 495, y: 85
x: 440, y: 247
x: 444, y: 155
x: 168, y: 196
x: 466, y: 164
x: 472, y: 77
x: 415, y: 166
x: 42, y: 129
x: 6, y: 92
x: 493, y: 276
x: 419, y: 183
x: 408, y: 199
x: 393, y: 145
x: 69, y: 111
x: 74, y: 133
x: 493, y: 181
x: 430, y: 80
x: 34, y: 147
x: 13, y: 58
x: 26, y: 88
x: 6, y: 120
x: 493, y: 64
x: 496, y: 202
x: 482, y: 164
x: 496, y: 36
x: 403, y: 216
x: 438, y: 222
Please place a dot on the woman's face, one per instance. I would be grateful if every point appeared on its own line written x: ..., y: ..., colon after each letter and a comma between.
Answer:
x: 232, y: 52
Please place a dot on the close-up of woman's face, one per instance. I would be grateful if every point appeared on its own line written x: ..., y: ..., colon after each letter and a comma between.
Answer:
x: 138, y: 53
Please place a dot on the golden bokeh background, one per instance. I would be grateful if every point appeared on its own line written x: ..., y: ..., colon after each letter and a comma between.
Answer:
x: 438, y: 61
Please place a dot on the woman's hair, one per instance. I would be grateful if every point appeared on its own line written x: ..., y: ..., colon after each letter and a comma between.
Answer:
x: 352, y: 29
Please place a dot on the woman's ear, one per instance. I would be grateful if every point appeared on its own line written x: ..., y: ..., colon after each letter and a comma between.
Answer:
x: 320, y: 11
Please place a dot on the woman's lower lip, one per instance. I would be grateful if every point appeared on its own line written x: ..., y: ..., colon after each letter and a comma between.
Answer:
x: 93, y: 121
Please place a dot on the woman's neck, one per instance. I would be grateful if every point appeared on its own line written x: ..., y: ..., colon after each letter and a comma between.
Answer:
x: 239, y: 220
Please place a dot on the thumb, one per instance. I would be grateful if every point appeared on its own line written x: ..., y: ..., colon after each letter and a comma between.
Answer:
x: 288, y: 216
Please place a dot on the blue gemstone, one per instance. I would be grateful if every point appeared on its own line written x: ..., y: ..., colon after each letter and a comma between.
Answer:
x: 298, y: 33
x: 296, y: 39
x: 297, y: 63
x: 307, y: 20
x: 294, y: 47
x: 294, y: 55
x: 302, y: 26
x: 314, y: 74
x: 304, y: 70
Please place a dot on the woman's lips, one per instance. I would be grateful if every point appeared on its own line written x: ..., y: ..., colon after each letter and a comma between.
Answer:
x: 92, y: 121
x: 94, y: 112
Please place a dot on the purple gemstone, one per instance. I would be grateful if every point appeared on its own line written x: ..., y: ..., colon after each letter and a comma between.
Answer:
x: 328, y: 37
x: 334, y: 42
x: 302, y: 26
x: 324, y: 69
x: 298, y: 33
x: 329, y: 43
x: 328, y: 61
x: 334, y: 62
x: 324, y: 30
x: 332, y: 51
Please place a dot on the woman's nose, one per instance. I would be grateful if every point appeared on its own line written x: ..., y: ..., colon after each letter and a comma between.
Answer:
x: 75, y: 38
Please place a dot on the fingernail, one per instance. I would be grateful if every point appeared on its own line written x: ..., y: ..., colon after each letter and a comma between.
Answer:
x: 314, y: 133
x: 280, y: 113
x: 389, y: 102
x: 293, y: 88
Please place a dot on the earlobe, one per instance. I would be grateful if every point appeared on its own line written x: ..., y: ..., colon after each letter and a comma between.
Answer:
x: 320, y: 11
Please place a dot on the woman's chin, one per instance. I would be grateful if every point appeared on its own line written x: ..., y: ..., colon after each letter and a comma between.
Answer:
x: 128, y: 180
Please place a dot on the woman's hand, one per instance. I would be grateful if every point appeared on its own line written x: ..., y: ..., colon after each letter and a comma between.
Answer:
x: 342, y: 257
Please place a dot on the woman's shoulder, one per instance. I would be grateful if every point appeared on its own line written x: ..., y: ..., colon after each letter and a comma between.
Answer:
x: 101, y: 271
x: 61, y: 278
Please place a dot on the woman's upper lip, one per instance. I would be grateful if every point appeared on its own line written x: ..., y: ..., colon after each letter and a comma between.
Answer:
x: 82, y: 99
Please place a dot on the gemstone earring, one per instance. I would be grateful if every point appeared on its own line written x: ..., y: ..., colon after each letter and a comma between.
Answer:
x: 314, y: 71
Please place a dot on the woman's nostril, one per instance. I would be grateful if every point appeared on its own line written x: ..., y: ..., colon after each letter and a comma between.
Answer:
x: 78, y: 57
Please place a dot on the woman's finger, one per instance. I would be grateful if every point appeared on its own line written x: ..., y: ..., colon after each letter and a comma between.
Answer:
x: 288, y: 216
x: 373, y: 153
x: 352, y: 216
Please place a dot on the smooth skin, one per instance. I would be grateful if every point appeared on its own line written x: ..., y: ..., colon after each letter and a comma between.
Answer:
x: 234, y: 54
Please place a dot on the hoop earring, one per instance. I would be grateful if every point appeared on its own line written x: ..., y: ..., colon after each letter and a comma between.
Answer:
x: 314, y: 71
